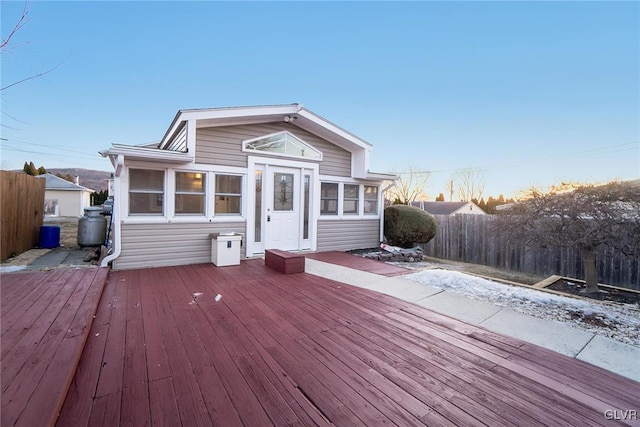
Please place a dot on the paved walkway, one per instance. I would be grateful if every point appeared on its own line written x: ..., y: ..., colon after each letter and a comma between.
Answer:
x: 561, y: 337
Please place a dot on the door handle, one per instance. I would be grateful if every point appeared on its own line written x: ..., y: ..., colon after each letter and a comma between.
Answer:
x: 268, y: 218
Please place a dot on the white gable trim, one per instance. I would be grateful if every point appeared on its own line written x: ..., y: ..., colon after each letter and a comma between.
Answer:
x: 295, y: 114
x: 150, y: 154
x: 272, y: 153
x: 253, y: 114
x: 333, y: 128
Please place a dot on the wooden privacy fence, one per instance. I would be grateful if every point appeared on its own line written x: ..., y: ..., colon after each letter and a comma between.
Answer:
x: 469, y: 238
x: 22, y: 206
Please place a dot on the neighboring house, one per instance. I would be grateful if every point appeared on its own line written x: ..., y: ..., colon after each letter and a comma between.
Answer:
x: 281, y: 176
x: 450, y: 208
x: 110, y: 186
x: 64, y: 198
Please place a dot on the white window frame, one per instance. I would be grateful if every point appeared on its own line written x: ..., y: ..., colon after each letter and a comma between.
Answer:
x: 338, y: 200
x: 291, y: 156
x: 264, y: 164
x: 169, y: 169
x: 377, y: 212
x: 241, y: 195
x: 164, y: 213
x: 342, y: 181
x: 176, y: 192
x: 358, y: 199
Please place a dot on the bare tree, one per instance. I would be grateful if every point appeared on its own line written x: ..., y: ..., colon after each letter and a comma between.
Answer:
x: 585, y: 218
x: 470, y: 184
x: 22, y: 20
x: 409, y: 186
x: 7, y: 44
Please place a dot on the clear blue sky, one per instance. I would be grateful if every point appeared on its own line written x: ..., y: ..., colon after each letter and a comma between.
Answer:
x: 531, y: 93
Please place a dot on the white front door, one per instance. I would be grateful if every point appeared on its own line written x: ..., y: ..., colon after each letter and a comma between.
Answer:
x: 283, y: 213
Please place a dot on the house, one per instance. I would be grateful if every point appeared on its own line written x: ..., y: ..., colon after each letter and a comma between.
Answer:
x: 64, y: 198
x: 450, y: 208
x: 281, y: 176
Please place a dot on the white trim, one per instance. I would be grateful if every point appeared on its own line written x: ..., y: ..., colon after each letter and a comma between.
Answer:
x: 191, y: 137
x: 349, y: 180
x: 150, y: 154
x: 347, y: 218
x: 125, y: 202
x: 116, y: 226
x: 169, y: 193
x: 333, y: 128
x: 206, y: 176
x: 119, y: 165
x: 243, y: 198
x: 304, y: 167
x: 375, y: 176
x: 341, y: 215
x: 233, y: 112
x: 271, y: 153
x: 193, y: 167
x: 256, y: 247
x: 178, y: 220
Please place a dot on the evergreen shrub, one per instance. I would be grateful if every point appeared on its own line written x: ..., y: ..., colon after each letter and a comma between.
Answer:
x: 406, y: 226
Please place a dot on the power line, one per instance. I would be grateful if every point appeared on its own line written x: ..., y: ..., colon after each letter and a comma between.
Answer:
x: 55, y: 147
x: 52, y: 154
x: 520, y: 163
x: 15, y: 141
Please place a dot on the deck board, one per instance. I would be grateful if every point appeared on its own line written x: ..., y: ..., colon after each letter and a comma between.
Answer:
x: 358, y: 263
x: 43, y: 340
x: 303, y: 350
x: 85, y: 380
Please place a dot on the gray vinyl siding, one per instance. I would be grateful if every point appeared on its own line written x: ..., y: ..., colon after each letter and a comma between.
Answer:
x: 349, y: 234
x: 179, y: 142
x: 158, y: 245
x: 223, y: 146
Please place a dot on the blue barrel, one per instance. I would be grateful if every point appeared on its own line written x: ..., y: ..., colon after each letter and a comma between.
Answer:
x: 49, y: 236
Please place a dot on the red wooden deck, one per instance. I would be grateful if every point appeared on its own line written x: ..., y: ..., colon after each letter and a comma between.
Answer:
x: 302, y: 350
x: 46, y: 318
x: 358, y: 263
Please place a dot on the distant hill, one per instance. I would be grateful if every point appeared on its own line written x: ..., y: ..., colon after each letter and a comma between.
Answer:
x: 95, y: 180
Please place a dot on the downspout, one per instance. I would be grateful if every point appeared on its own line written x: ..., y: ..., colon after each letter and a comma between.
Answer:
x: 116, y: 246
x: 382, y: 212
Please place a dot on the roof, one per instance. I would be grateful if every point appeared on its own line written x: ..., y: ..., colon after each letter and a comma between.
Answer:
x: 56, y: 183
x: 443, y: 208
x: 293, y: 114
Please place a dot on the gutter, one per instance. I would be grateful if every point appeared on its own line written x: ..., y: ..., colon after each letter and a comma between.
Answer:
x: 116, y: 245
x: 382, y: 211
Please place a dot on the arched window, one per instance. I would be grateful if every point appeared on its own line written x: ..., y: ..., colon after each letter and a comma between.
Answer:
x: 282, y: 144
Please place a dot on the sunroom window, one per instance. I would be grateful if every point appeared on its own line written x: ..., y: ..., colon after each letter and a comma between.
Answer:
x: 370, y: 200
x: 190, y: 193
x: 328, y: 198
x: 146, y: 192
x: 228, y: 194
x: 350, y: 199
x: 283, y: 144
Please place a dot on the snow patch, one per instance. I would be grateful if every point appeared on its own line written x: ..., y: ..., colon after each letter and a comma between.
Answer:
x: 617, y: 321
x: 12, y: 268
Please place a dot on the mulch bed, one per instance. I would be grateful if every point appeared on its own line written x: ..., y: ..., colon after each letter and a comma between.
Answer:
x: 574, y: 287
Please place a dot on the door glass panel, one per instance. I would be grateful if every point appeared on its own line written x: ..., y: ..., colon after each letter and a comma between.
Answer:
x: 282, y: 191
x: 258, y: 203
x: 305, y: 226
